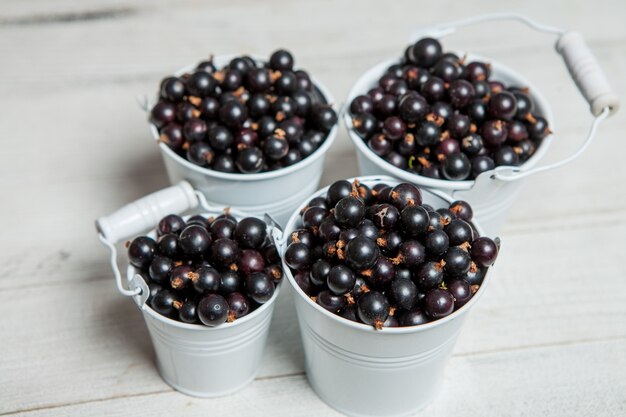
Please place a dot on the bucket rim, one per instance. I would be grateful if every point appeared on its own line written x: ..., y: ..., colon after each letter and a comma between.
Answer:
x: 131, y: 271
x: 374, y: 72
x: 371, y: 180
x: 318, y: 153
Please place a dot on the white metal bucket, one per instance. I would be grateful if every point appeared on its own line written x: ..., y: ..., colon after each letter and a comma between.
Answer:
x: 365, y: 372
x: 194, y: 359
x: 493, y: 193
x: 275, y: 192
x: 490, y: 198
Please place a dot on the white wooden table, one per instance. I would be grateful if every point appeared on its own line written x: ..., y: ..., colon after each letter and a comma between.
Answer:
x: 548, y: 338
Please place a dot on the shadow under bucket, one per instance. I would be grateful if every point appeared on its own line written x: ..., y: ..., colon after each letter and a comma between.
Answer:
x: 490, y: 197
x: 275, y: 192
x: 365, y: 372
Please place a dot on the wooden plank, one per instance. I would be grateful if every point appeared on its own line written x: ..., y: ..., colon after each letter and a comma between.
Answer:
x: 564, y: 380
x: 547, y: 336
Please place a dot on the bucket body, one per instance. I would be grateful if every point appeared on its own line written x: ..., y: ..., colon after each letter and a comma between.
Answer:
x: 490, y: 198
x: 275, y: 192
x: 365, y: 372
x: 206, y: 361
x: 277, y: 195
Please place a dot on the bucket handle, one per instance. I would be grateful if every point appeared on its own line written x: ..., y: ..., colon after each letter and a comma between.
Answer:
x: 582, y: 65
x: 143, y: 214
x: 138, y: 216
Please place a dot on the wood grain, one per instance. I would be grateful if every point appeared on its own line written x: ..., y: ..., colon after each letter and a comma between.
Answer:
x: 548, y: 338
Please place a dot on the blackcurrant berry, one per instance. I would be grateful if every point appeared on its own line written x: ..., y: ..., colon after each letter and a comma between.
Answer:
x: 384, y: 216
x: 390, y: 242
x: 224, y: 251
x: 168, y: 245
x: 405, y: 194
x: 482, y: 164
x: 250, y: 261
x: 194, y: 240
x: 413, y: 317
x: 361, y: 253
x: 313, y: 217
x: 456, y: 167
x: 484, y: 251
x: 259, y: 287
x: 205, y: 279
x: 349, y: 211
x: 414, y: 220
x: 275, y: 147
x: 460, y: 291
x: 337, y: 191
x: 281, y: 60
x: 428, y: 134
x: 323, y: 117
x: 162, y: 114
x: 462, y: 210
x: 380, y: 145
x: 223, y: 163
x: 330, y: 301
x: 172, y: 89
x: 238, y: 305
x: 258, y: 80
x: 411, y: 253
x: 461, y: 93
x: 478, y: 71
x: 163, y: 302
x: 429, y: 275
x: 459, y: 232
x: 328, y: 229
x: 213, y: 310
x: 361, y: 104
x: 141, y: 251
x: 438, y: 303
x: 471, y: 144
x: 187, y: 311
x: 436, y: 242
x: 298, y: 256
x: 172, y: 135
x: 373, y: 308
x: 233, y: 114
x: 433, y: 89
x: 426, y: 52
x: 230, y: 281
x: 250, y: 160
x: 457, y: 261
x: 201, y: 84
x: 403, y: 293
x: 505, y: 155
x: 341, y: 279
x: 171, y: 223
x: 220, y: 138
x: 200, y: 153
x: 503, y: 105
x: 381, y: 274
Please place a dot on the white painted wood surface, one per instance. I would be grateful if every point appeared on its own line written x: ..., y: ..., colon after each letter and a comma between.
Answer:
x: 548, y: 338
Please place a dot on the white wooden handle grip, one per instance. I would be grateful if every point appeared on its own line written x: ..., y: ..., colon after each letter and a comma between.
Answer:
x: 145, y: 213
x: 586, y: 72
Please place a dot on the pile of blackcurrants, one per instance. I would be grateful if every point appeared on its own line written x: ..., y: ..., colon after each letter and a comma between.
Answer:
x: 207, y: 270
x: 245, y: 117
x: 433, y: 114
x: 379, y: 256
